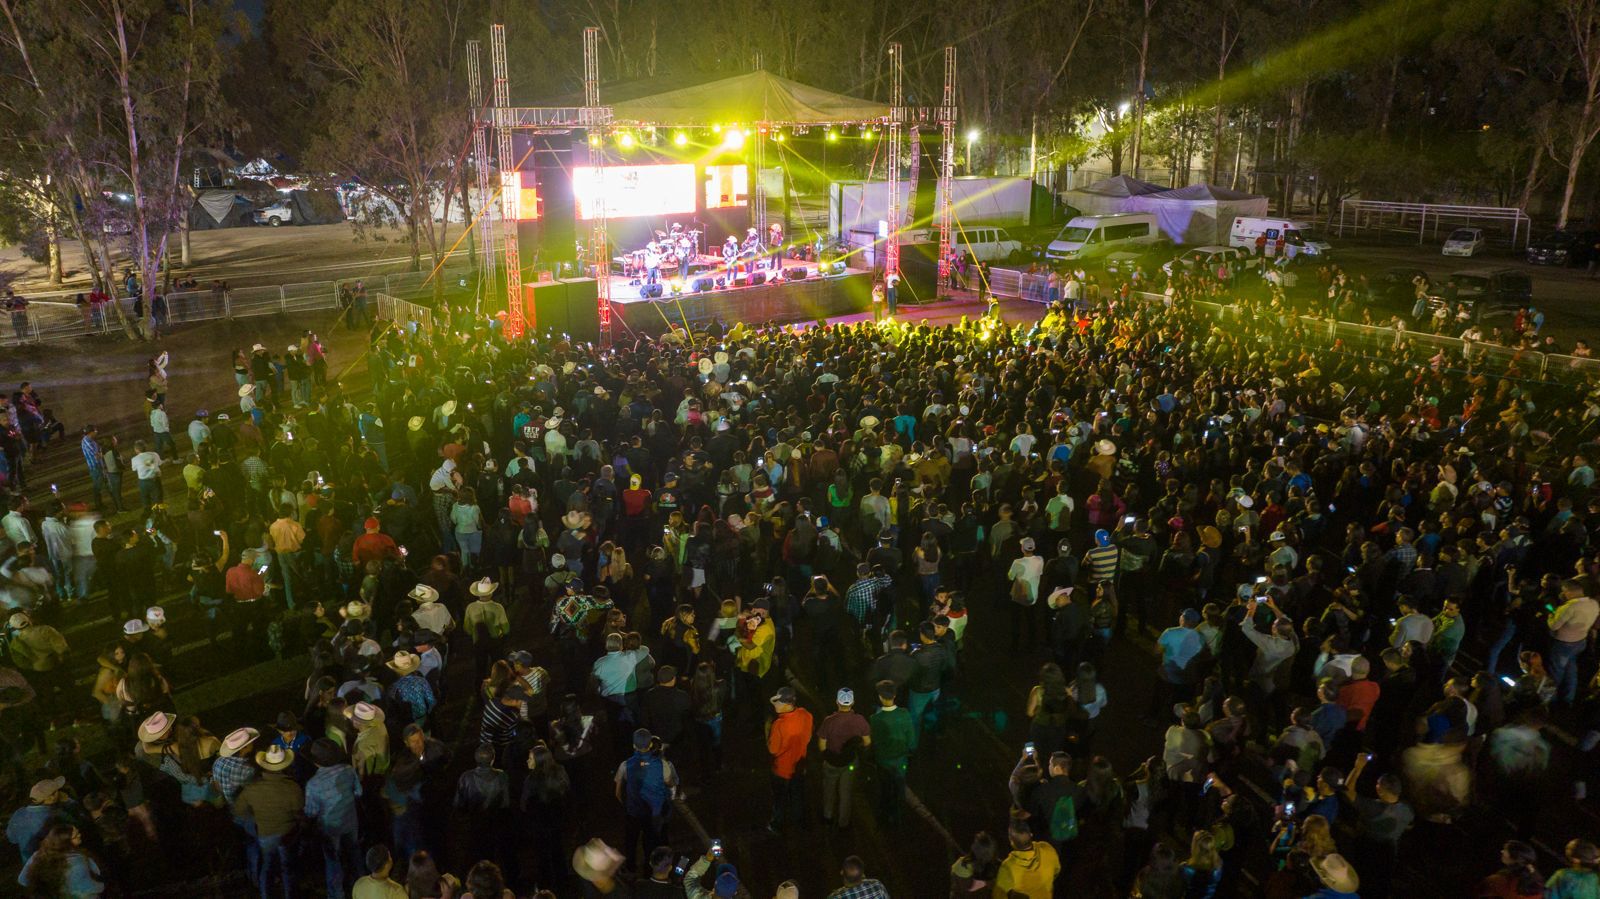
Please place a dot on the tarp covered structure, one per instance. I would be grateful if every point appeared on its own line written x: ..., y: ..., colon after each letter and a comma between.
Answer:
x: 1200, y: 214
x: 1109, y: 195
x: 219, y: 209
x: 315, y: 207
x: 752, y: 97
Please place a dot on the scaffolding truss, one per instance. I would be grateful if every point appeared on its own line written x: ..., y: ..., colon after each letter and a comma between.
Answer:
x: 509, y: 180
x: 484, y: 226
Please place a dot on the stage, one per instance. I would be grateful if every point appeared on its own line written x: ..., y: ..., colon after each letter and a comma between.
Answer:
x: 788, y: 300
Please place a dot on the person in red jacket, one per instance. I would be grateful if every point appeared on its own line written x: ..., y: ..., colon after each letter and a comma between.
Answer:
x: 373, y: 546
x: 788, y: 735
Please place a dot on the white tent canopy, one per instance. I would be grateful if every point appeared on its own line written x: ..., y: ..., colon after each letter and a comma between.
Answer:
x: 1200, y: 214
x: 1109, y: 195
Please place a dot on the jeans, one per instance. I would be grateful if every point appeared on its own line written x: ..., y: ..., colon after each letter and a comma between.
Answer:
x: 788, y: 800
x: 923, y: 705
x: 97, y: 482
x: 82, y: 575
x: 838, y: 784
x: 471, y: 545
x: 252, y: 850
x: 891, y: 789
x: 166, y: 447
x: 149, y: 491
x: 275, y: 859
x: 114, y: 487
x: 342, y: 861
x: 1508, y: 636
x: 289, y: 567
x: 1564, y: 667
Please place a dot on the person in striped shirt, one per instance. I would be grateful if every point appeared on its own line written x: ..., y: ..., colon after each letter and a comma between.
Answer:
x: 94, y: 460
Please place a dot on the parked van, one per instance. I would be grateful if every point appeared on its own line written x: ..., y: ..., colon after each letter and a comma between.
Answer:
x: 1089, y: 236
x: 986, y: 244
x: 1298, y: 238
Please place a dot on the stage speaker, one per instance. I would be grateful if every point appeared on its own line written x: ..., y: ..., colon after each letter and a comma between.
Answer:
x: 563, y: 307
x: 650, y: 291
x: 754, y: 279
x: 701, y: 285
x: 797, y: 273
x: 582, y: 308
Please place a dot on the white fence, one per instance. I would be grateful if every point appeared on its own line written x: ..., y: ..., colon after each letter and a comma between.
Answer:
x: 52, y: 320
x: 402, y: 312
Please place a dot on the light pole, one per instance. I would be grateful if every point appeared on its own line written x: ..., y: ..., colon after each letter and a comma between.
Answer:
x: 972, y: 138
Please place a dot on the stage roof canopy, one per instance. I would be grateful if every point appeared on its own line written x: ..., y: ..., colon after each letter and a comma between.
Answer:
x: 752, y: 97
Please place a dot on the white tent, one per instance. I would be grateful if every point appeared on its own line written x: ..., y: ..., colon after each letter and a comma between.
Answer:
x: 1109, y: 195
x: 1200, y: 214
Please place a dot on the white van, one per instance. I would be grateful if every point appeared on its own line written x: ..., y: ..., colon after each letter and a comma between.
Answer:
x: 986, y: 244
x: 1298, y: 238
x: 1088, y: 236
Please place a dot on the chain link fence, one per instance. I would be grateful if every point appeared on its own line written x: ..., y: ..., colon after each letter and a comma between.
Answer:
x: 49, y: 320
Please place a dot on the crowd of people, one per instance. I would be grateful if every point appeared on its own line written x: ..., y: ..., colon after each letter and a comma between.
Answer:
x: 547, y: 589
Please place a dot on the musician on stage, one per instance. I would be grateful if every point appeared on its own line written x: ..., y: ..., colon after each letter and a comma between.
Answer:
x: 751, y: 250
x: 775, y: 245
x: 730, y: 255
x: 652, y: 262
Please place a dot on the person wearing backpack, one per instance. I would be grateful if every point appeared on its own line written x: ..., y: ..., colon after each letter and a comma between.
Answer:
x: 644, y: 785
x: 1052, y: 805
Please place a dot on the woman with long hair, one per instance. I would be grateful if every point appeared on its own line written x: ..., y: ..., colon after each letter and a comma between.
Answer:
x: 187, y: 759
x: 1518, y: 877
x: 928, y: 556
x: 423, y: 880
x: 705, y: 705
x: 61, y: 868
x: 1048, y: 703
x: 143, y: 689
x: 502, y: 709
x: 1202, y: 871
x: 546, y: 796
x: 468, y: 521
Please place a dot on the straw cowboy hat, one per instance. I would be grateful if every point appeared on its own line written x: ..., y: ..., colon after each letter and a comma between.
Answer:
x: 595, y: 861
x: 568, y: 367
x: 1211, y: 537
x: 1105, y: 448
x: 247, y: 389
x: 448, y: 408
x: 156, y: 727
x: 1336, y: 873
x: 276, y: 758
x: 424, y: 593
x: 364, y: 715
x: 238, y: 741
x: 575, y: 520
x: 869, y: 421
x: 404, y: 663
x: 355, y: 610
x: 19, y: 620
x: 721, y: 357
x: 134, y: 626
x: 705, y: 365
x: 415, y: 423
x: 258, y: 348
x: 45, y: 789
x: 483, y: 587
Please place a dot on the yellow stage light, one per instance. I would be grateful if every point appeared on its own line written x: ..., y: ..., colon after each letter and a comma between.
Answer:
x: 779, y: 138
x: 626, y: 140
x: 680, y: 139
x: 717, y: 128
x: 594, y: 140
x: 733, y: 139
x: 833, y: 135
x: 869, y: 135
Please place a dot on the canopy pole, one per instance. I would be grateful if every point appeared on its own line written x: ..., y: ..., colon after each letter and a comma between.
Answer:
x: 509, y: 178
x: 891, y: 241
x: 947, y: 169
x: 598, y: 239
x: 480, y: 157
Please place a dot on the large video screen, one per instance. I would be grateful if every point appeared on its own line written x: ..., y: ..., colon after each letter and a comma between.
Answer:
x: 630, y: 191
x: 727, y: 186
x: 519, y: 197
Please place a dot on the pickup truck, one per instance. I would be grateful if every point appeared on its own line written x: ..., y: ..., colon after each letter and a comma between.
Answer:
x: 277, y: 214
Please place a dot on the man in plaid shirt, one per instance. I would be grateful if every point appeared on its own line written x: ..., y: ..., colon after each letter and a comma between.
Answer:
x: 97, y: 466
x: 861, y: 599
x: 232, y: 768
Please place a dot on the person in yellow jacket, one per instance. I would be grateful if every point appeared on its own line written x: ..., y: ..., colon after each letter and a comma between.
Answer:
x: 1031, y: 867
x: 485, y: 623
x: 758, y: 640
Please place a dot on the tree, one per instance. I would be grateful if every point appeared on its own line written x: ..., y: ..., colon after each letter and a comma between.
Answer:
x: 388, y: 103
x: 1582, y: 20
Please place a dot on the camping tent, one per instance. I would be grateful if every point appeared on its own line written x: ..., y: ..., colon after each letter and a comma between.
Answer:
x: 1199, y: 214
x: 219, y: 209
x: 751, y: 97
x: 1109, y: 194
x: 315, y: 207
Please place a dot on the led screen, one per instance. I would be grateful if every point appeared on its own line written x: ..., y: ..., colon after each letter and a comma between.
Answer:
x: 727, y: 186
x: 630, y: 191
x: 519, y: 197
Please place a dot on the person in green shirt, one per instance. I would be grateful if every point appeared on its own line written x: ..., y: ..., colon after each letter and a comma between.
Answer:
x: 1448, y: 629
x: 893, y: 735
x: 377, y: 885
x: 1580, y: 879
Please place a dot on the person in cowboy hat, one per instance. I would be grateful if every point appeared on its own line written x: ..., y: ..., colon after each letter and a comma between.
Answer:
x: 330, y: 801
x: 274, y: 804
x: 1339, y: 879
x: 486, y: 624
x: 48, y: 806
x: 410, y: 690
x: 370, y: 754
x: 431, y: 613
x: 234, y: 767
x: 597, y: 864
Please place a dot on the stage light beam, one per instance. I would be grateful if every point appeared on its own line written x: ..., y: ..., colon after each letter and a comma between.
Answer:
x: 832, y: 135
x: 680, y: 139
x: 733, y: 139
x: 626, y: 140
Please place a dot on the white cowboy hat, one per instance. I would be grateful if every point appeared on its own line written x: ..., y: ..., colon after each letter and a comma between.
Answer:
x: 293, y: 348
x: 704, y: 365
x: 134, y: 626
x: 404, y: 662
x: 558, y: 561
x: 448, y: 408
x: 246, y: 389
x: 1245, y: 501
x: 594, y: 861
x: 19, y: 620
x: 156, y: 615
x: 258, y: 348
x: 1105, y: 448
x: 869, y: 421
x: 235, y: 742
x: 568, y: 367
x: 424, y: 593
x: 415, y: 423
x: 721, y: 357
x: 355, y: 609
x: 1336, y: 873
x: 363, y: 714
x: 276, y: 758
x: 483, y: 587
x: 550, y: 424
x: 156, y: 727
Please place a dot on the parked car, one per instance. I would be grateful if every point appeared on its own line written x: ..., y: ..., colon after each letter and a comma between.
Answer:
x: 1395, y: 290
x: 1206, y: 259
x: 987, y: 244
x: 1487, y: 292
x: 1465, y: 242
x: 1565, y: 248
x: 1123, y: 262
x: 278, y: 213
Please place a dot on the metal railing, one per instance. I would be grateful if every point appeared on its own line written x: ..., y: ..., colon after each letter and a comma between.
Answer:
x: 392, y: 309
x: 46, y: 320
x: 1510, y: 361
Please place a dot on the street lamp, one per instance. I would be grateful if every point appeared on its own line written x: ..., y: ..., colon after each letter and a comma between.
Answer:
x: 972, y: 138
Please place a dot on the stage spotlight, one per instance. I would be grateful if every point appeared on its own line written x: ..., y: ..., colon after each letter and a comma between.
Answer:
x: 594, y: 140
x: 733, y: 139
x: 626, y: 140
x: 680, y: 139
x: 832, y: 135
x: 779, y: 137
x: 748, y: 132
x: 716, y: 129
x: 869, y: 135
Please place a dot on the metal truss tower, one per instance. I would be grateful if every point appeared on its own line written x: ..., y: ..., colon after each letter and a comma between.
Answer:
x: 509, y: 180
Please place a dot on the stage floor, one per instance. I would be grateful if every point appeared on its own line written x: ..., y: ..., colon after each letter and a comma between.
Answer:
x: 625, y: 289
x: 788, y: 300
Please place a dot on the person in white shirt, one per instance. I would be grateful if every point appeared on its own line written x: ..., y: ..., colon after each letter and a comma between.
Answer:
x: 199, y: 429
x: 58, y: 545
x: 1411, y: 625
x: 161, y: 427
x: 83, y: 534
x: 18, y: 529
x: 147, y: 468
x: 1024, y: 576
